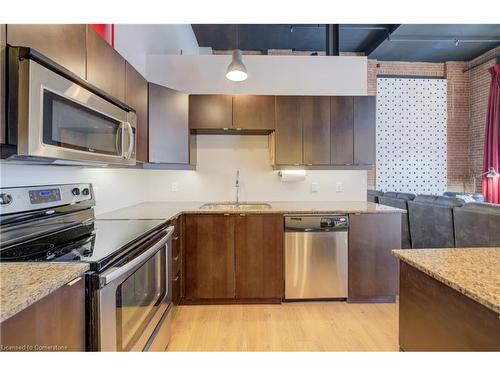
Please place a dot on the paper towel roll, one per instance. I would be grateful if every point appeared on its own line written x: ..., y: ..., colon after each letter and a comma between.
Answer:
x: 292, y: 175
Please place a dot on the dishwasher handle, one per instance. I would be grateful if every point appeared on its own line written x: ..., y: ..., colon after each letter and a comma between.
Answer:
x: 315, y: 230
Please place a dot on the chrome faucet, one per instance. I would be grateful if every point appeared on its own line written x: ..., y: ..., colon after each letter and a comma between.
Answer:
x: 237, y: 186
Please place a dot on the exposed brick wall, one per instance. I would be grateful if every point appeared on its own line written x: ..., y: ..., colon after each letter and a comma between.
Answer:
x: 478, y: 105
x: 458, y: 126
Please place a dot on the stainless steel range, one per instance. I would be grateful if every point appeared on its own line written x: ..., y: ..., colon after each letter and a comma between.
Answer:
x: 128, y: 288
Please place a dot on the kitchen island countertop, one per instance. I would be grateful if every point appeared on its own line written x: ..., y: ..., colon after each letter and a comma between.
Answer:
x: 23, y: 284
x: 474, y: 272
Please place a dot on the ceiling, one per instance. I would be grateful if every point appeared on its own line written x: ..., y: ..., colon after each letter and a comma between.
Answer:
x: 390, y: 42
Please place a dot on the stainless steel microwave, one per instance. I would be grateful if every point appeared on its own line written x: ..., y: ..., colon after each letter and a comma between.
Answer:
x: 64, y: 119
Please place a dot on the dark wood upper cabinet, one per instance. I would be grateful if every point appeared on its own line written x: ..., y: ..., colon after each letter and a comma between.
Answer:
x: 288, y: 149
x: 259, y: 256
x: 105, y: 66
x: 315, y: 118
x: 342, y: 130
x: 58, y: 319
x: 136, y: 96
x: 169, y: 136
x: 209, y: 258
x: 373, y: 271
x: 65, y: 44
x: 210, y: 111
x: 364, y: 130
x: 253, y: 112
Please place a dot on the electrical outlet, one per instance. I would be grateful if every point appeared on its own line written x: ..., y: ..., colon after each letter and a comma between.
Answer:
x: 314, y: 187
x: 339, y: 187
x: 175, y: 186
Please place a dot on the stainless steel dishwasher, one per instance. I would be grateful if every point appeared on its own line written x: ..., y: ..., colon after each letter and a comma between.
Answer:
x: 316, y: 251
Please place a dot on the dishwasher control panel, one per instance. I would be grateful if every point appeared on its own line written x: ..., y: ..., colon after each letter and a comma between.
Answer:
x: 334, y: 222
x: 316, y: 223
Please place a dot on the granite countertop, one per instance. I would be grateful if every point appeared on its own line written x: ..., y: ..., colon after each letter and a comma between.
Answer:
x: 23, y: 284
x: 475, y: 272
x: 168, y: 210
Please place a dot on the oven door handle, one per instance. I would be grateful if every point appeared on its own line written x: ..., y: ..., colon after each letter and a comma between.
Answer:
x: 117, y: 272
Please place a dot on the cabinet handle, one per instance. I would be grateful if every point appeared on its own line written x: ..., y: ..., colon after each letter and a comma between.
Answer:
x: 238, y: 129
x: 226, y: 214
x: 73, y: 282
x: 243, y: 214
x: 176, y: 258
x: 175, y: 238
x: 225, y: 128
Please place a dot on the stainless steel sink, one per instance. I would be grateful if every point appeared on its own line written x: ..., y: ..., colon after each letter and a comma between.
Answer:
x: 236, y: 206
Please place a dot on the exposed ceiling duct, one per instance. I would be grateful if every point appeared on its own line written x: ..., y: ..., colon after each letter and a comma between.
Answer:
x: 332, y: 39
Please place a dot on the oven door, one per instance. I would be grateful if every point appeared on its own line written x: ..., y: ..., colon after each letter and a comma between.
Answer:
x: 134, y: 298
x: 62, y: 120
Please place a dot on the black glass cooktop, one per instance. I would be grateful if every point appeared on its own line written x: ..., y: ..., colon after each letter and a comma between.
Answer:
x: 96, y: 242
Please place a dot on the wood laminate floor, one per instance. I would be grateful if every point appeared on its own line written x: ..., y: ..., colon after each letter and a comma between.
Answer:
x: 297, y: 326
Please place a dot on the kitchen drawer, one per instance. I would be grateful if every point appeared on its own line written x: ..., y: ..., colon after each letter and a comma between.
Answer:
x: 176, y: 245
x: 176, y: 289
x: 176, y: 264
x: 176, y: 222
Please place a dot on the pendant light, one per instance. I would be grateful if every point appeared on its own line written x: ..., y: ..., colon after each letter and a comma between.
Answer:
x: 236, y: 71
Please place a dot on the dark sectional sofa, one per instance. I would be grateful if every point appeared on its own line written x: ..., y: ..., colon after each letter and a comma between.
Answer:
x: 373, y: 195
x: 431, y: 221
x: 443, y: 221
x: 400, y: 200
x: 477, y: 224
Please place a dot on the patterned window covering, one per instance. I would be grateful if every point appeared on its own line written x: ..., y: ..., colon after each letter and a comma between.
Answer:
x: 412, y: 135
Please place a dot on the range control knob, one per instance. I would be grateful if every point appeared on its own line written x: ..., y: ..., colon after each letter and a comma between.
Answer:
x: 85, y: 191
x: 5, y: 198
x: 75, y: 191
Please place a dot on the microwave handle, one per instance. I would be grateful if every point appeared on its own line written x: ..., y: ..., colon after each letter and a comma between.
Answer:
x: 119, y: 139
x: 116, y: 272
x: 130, y: 140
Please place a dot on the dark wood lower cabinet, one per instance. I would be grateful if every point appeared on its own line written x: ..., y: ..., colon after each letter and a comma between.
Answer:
x: 233, y: 258
x: 209, y: 257
x: 177, y: 260
x: 373, y: 271
x: 435, y: 317
x: 259, y: 256
x: 55, y: 323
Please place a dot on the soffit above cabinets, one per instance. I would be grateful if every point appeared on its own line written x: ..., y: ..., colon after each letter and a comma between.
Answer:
x: 267, y: 75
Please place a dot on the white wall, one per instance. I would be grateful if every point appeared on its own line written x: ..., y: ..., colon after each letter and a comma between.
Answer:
x: 274, y: 75
x: 218, y: 159
x: 135, y: 41
x: 114, y: 188
x: 220, y: 156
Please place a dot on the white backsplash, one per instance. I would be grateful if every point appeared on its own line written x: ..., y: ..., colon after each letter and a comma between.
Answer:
x: 218, y: 159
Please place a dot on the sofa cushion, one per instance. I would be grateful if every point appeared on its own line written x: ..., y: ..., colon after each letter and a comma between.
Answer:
x: 405, y: 230
x: 425, y: 198
x: 406, y: 196
x: 391, y: 194
x: 431, y: 221
x: 372, y: 195
x: 477, y: 225
x: 477, y: 197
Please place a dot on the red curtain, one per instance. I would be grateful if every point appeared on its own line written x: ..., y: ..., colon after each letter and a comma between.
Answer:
x: 491, y: 186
